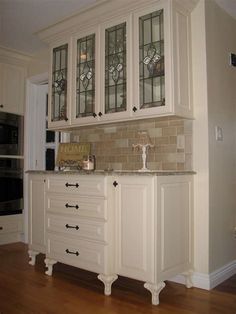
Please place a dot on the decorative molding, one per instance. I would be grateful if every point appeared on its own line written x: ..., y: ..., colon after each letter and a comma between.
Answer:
x: 9, y: 56
x: 209, y: 281
x: 97, y: 13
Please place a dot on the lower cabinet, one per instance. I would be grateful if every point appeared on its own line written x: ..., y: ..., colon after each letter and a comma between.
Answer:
x: 138, y: 226
x: 11, y: 228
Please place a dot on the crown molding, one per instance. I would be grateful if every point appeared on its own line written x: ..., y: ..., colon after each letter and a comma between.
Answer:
x: 14, y: 56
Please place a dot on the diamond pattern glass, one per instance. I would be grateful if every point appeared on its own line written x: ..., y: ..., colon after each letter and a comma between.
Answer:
x: 85, y: 79
x: 59, y: 83
x: 115, y: 69
x: 151, y: 60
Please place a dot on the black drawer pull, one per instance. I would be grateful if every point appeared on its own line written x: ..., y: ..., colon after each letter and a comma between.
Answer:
x: 72, y: 227
x: 94, y: 115
x: 100, y: 114
x: 1, y: 228
x: 71, y: 206
x: 70, y: 252
x: 115, y: 184
x: 1, y: 106
x: 68, y: 184
x: 134, y: 109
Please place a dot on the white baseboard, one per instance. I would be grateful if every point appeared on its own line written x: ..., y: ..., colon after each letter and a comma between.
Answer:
x: 209, y: 281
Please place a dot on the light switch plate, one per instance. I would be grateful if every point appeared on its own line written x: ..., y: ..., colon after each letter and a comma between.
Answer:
x: 219, y: 133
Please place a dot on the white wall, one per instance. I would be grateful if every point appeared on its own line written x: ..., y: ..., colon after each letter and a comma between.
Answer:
x: 220, y: 41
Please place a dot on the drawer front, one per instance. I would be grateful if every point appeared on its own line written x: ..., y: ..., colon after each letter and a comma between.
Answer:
x: 10, y: 224
x: 83, y: 254
x: 78, y: 185
x: 74, y: 205
x: 80, y: 228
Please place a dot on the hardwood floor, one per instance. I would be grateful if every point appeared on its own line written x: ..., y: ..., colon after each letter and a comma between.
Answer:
x: 25, y: 289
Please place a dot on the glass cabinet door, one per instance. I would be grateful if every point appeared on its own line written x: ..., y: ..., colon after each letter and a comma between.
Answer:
x: 59, y: 84
x: 115, y: 69
x: 85, y: 77
x: 151, y: 60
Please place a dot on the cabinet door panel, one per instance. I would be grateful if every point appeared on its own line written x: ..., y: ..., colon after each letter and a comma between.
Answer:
x: 37, y: 213
x: 59, y: 86
x: 12, y: 88
x: 116, y: 70
x: 135, y: 228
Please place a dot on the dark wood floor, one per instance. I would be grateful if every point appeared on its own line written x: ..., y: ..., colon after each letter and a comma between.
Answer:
x: 25, y: 289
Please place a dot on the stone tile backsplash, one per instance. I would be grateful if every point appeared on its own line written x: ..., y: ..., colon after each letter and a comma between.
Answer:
x: 112, y: 144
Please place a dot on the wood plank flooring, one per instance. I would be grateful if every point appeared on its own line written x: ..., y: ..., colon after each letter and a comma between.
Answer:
x: 25, y: 289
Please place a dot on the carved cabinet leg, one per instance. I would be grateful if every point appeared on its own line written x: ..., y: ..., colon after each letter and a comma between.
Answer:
x: 107, y: 281
x: 32, y: 256
x: 188, y: 278
x: 155, y: 290
x: 49, y: 264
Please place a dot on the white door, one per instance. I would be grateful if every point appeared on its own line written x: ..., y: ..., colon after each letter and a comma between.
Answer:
x: 135, y: 227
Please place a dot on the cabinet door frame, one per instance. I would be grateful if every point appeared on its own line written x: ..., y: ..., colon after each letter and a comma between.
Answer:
x: 75, y: 37
x: 117, y: 116
x: 60, y: 123
x: 168, y: 108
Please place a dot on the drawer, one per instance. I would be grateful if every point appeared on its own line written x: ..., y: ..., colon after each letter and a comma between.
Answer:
x: 81, y: 228
x: 78, y: 185
x: 83, y: 254
x: 11, y: 224
x: 76, y: 205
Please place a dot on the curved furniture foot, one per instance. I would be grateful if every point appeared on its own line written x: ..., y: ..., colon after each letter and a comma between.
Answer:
x: 155, y: 290
x: 32, y: 256
x: 49, y: 264
x: 188, y: 278
x: 108, y: 281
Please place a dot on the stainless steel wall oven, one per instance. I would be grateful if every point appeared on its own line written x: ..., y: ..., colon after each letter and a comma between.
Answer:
x: 11, y: 164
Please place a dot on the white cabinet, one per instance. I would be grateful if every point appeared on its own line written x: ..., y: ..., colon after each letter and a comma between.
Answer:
x: 36, y: 229
x: 138, y: 226
x: 12, y: 88
x: 130, y: 65
x: 11, y: 228
x: 135, y: 227
x: 154, y: 229
x: 79, y: 224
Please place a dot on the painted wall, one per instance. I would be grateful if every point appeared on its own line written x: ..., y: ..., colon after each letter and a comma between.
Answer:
x: 39, y: 63
x: 221, y: 80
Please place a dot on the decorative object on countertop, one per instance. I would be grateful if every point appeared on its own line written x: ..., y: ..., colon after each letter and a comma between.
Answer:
x: 144, y: 142
x: 70, y: 155
x: 88, y: 162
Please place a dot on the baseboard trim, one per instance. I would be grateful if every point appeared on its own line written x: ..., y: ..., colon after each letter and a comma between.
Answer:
x: 209, y: 281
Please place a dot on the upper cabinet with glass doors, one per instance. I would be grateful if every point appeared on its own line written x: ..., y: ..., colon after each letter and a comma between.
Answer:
x: 59, y: 87
x: 135, y: 65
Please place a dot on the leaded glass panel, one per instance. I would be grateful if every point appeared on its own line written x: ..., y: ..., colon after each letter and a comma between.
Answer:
x: 85, y: 78
x: 59, y: 83
x: 151, y: 60
x: 115, y: 69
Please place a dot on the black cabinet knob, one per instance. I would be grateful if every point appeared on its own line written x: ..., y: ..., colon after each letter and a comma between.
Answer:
x: 94, y: 115
x: 100, y: 114
x: 1, y: 106
x: 134, y: 109
x: 115, y: 184
x: 66, y: 119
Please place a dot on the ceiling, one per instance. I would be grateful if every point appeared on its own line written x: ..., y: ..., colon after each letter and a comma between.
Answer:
x: 20, y: 19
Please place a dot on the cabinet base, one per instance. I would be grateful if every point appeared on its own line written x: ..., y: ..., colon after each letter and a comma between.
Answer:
x: 32, y: 256
x: 155, y: 290
x: 107, y: 281
x: 49, y: 264
x: 188, y: 278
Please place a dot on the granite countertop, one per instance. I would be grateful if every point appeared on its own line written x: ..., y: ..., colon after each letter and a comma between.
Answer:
x: 115, y: 172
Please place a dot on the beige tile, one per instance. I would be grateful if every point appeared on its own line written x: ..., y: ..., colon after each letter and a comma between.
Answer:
x: 176, y: 123
x: 170, y: 131
x: 169, y: 166
x: 155, y: 132
x: 188, y: 143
